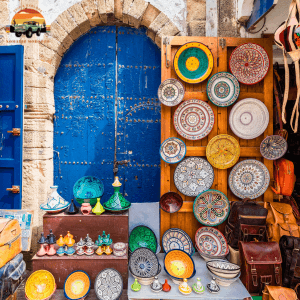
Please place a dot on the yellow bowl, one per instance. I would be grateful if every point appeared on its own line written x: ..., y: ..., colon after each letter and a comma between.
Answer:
x: 77, y: 285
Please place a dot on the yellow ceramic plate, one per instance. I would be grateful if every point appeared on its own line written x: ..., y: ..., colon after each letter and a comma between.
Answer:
x: 223, y: 151
x: 40, y: 285
x: 77, y: 285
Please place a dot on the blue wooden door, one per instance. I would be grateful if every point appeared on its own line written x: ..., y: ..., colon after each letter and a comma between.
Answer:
x: 11, y: 125
x: 107, y: 113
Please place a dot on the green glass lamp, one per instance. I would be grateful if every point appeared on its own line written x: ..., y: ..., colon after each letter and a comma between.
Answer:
x: 98, y: 208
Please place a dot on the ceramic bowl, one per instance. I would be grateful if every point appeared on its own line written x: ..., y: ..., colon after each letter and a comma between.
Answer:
x: 77, y: 285
x: 225, y: 281
x: 55, y: 210
x: 170, y: 202
x: 223, y: 268
x: 145, y: 281
x: 208, y: 257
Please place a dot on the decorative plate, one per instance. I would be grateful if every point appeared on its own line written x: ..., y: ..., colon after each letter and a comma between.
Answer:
x: 223, y: 151
x: 249, y: 179
x: 211, y: 241
x: 223, y: 89
x: 211, y: 208
x: 170, y: 202
x: 249, y: 118
x: 273, y: 147
x: 175, y: 238
x: 193, y: 62
x: 193, y: 176
x: 108, y: 284
x: 40, y: 285
x: 143, y: 263
x: 77, y: 285
x: 194, y: 119
x: 179, y: 264
x: 249, y: 63
x: 142, y: 236
x: 172, y: 150
x: 170, y: 92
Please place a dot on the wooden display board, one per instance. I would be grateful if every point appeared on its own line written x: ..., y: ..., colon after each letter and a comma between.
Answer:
x: 221, y: 49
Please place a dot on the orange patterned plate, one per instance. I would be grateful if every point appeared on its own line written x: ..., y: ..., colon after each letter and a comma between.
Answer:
x: 40, y: 285
x: 77, y: 285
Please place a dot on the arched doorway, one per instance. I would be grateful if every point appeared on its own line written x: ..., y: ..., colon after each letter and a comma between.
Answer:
x: 107, y: 111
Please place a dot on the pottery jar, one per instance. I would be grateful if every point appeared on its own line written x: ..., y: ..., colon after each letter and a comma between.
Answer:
x: 86, y: 208
x: 119, y: 249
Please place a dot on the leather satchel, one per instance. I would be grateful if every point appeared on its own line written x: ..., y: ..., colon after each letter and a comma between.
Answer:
x: 278, y: 293
x: 261, y: 264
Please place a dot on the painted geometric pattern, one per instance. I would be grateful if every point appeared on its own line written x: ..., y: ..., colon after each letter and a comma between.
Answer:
x: 142, y: 236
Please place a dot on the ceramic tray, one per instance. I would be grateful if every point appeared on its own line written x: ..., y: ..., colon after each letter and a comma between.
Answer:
x: 170, y: 92
x: 142, y: 236
x: 77, y: 285
x: 172, y: 150
x: 273, y: 147
x: 170, y: 202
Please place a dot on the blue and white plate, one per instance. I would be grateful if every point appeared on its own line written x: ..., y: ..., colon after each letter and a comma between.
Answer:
x: 172, y: 150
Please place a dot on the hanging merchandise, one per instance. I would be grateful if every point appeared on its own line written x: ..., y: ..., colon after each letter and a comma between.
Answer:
x: 273, y: 147
x: 171, y: 92
x: 77, y: 285
x: 193, y: 62
x: 172, y: 150
x: 170, y: 202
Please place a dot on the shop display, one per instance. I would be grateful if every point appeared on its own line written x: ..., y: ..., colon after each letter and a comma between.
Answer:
x: 193, y: 62
x: 193, y: 175
x: 55, y: 203
x: 172, y: 150
x: 72, y: 209
x: 166, y: 287
x: 156, y: 286
x: 98, y: 208
x: 146, y: 281
x: 211, y: 208
x: 223, y: 268
x: 249, y: 179
x: 197, y: 287
x: 170, y: 202
x: 171, y: 92
x: 273, y: 147
x: 212, y: 287
x: 86, y: 208
x: 108, y: 284
x: 249, y: 118
x: 175, y: 238
x: 184, y: 288
x: 135, y: 286
x: 249, y: 63
x: 223, y: 151
x: 119, y: 249
x: 77, y: 285
x: 142, y: 236
x: 223, y: 89
x: 224, y: 281
x: 194, y: 119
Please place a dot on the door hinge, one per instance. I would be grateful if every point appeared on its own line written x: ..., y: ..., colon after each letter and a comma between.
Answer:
x: 222, y: 43
x: 15, y: 131
x: 119, y: 163
x: 15, y: 189
x: 166, y: 42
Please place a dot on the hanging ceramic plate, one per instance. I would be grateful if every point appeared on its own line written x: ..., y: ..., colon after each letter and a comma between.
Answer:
x: 193, y: 62
x: 142, y: 236
x: 108, y: 284
x: 249, y: 63
x: 273, y: 147
x: 249, y: 179
x: 249, y: 118
x: 193, y: 176
x: 194, y: 119
x: 223, y: 151
x: 175, y: 238
x: 211, y: 208
x: 170, y: 92
x: 77, y: 285
x: 170, y: 202
x: 223, y: 89
x: 172, y: 150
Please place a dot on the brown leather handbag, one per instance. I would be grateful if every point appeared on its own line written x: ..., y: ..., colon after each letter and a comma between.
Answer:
x: 278, y: 293
x: 261, y: 264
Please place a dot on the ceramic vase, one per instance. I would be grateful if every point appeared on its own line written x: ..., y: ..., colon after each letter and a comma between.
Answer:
x: 98, y: 208
x: 86, y: 208
x: 166, y: 287
x: 72, y: 209
x: 135, y: 286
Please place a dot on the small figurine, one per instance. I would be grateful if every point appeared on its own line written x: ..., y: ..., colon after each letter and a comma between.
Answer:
x: 166, y: 287
x: 72, y: 209
x: 99, y: 241
x: 99, y: 251
x: 51, y: 241
x: 68, y: 235
x: 88, y: 239
x: 60, y: 251
x: 60, y: 242
x: 69, y: 251
x: 80, y: 245
x: 90, y: 248
x: 156, y: 286
x: 98, y: 208
x: 44, y: 243
x: 108, y: 250
x: 86, y: 208
x: 184, y: 288
x: 107, y: 240
x: 198, y: 287
x: 213, y: 287
x: 135, y: 286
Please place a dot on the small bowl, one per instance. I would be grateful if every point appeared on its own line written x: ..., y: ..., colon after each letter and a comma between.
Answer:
x: 207, y: 257
x: 145, y: 281
x: 170, y: 202
x: 53, y: 211
x: 223, y: 268
x: 224, y: 281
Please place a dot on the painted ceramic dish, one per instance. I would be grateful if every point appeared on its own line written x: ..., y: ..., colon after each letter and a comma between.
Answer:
x: 145, y: 281
x: 249, y: 63
x: 77, y: 285
x: 193, y: 62
x: 45, y: 208
x: 88, y: 187
x: 194, y: 119
x: 108, y: 284
x: 179, y: 264
x: 249, y: 179
x: 211, y: 208
x: 172, y: 150
x: 249, y: 118
x: 223, y: 151
x: 40, y: 285
x: 211, y: 242
x: 170, y: 92
x: 143, y: 263
x: 175, y: 238
x: 170, y: 202
x: 193, y: 176
x: 142, y: 236
x: 223, y: 89
x: 224, y: 281
x: 223, y: 268
x: 273, y: 147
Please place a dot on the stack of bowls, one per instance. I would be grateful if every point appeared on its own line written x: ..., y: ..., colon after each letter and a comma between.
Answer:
x: 145, y: 280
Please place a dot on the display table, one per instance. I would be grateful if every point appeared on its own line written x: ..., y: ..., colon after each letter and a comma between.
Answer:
x: 235, y: 291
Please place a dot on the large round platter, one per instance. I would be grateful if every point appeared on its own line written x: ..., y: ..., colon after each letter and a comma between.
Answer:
x: 249, y: 118
x: 193, y: 176
x: 194, y: 119
x: 175, y: 238
x: 210, y: 241
x: 108, y: 284
x: 273, y: 147
x: 211, y: 208
x: 249, y: 179
x: 170, y: 202
x: 77, y: 285
x: 249, y: 63
x: 223, y: 89
x: 142, y: 236
x: 223, y: 151
x: 170, y: 92
x: 193, y: 62
x: 172, y: 150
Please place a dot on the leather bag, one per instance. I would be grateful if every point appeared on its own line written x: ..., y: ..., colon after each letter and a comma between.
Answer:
x: 261, y: 264
x: 278, y: 293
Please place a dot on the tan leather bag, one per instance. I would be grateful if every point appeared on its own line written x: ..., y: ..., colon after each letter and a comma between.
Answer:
x: 278, y: 293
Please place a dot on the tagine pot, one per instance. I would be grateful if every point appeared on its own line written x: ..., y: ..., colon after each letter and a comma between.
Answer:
x: 98, y: 208
x: 86, y: 208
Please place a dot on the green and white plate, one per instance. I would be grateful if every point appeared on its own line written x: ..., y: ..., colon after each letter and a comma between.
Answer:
x: 142, y: 236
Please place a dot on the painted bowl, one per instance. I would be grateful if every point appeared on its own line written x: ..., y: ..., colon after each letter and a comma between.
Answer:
x: 45, y: 208
x: 142, y: 236
x: 223, y: 268
x: 224, y: 281
x: 208, y: 257
x: 145, y: 281
x: 170, y: 202
x: 77, y: 285
x: 178, y: 264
